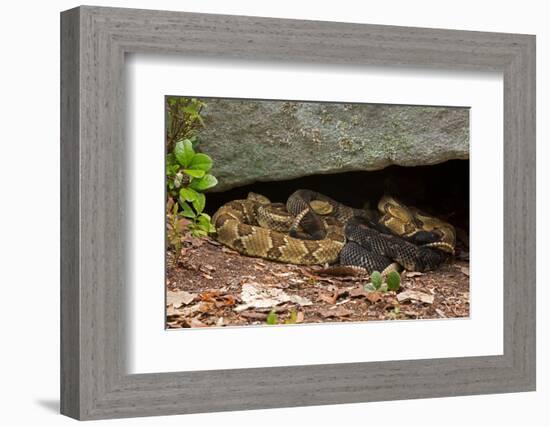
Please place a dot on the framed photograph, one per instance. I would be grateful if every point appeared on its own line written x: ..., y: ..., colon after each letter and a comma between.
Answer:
x: 261, y: 213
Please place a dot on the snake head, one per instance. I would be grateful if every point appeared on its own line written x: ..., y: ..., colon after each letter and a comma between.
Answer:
x: 321, y: 207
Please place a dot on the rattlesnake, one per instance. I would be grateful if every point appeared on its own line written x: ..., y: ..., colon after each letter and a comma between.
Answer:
x: 314, y: 229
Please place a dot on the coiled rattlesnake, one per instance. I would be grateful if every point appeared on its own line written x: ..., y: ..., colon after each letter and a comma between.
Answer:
x: 314, y: 229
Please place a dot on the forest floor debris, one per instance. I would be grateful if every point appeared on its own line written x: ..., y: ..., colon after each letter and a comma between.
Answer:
x: 211, y: 285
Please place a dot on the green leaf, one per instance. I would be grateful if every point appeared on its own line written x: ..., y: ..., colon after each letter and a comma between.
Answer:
x: 195, y: 173
x: 204, y: 221
x: 199, y: 202
x: 292, y: 319
x: 188, y: 194
x: 394, y: 281
x: 184, y: 152
x: 272, y: 318
x: 172, y: 170
x: 198, y: 232
x: 186, y: 210
x: 376, y: 279
x: 201, y: 161
x: 207, y: 181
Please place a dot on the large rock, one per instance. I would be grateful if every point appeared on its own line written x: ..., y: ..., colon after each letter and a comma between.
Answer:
x: 276, y: 140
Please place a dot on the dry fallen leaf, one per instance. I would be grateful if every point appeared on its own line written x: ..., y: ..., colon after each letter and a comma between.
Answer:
x: 171, y: 311
x: 179, y: 298
x: 206, y: 307
x: 358, y: 292
x: 256, y: 297
x: 329, y: 298
x: 196, y: 323
x: 217, y: 298
x: 374, y: 296
x: 209, y: 296
x: 227, y: 300
x: 332, y: 298
x: 465, y: 270
x: 415, y: 295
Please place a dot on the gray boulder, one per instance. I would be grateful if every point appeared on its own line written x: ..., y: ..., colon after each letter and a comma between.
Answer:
x: 253, y: 141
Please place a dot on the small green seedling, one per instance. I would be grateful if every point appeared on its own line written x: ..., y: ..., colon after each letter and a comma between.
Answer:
x: 376, y: 279
x: 392, y: 283
x: 272, y: 318
x: 292, y: 319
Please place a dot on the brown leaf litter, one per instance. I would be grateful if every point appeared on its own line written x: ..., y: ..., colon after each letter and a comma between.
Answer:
x: 210, y: 285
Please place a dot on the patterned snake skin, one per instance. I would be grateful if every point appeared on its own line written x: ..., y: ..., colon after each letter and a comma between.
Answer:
x: 314, y: 229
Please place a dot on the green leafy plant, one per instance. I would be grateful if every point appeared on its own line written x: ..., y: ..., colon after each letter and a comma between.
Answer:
x: 187, y: 170
x: 392, y: 282
x: 187, y: 179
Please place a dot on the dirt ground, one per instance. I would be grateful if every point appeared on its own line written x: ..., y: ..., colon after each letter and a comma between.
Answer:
x: 210, y: 285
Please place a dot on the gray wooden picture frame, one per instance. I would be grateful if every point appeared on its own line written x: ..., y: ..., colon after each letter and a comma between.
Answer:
x: 94, y: 382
